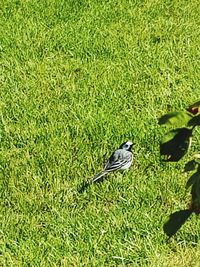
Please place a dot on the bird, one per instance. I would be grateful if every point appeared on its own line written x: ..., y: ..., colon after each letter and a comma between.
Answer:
x: 121, y: 159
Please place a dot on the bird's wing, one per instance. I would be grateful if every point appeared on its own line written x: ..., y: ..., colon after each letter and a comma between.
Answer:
x: 117, y: 160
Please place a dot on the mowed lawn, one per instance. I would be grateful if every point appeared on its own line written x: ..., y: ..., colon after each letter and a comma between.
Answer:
x: 77, y: 79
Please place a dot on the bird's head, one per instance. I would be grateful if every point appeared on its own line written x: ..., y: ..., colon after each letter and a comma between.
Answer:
x: 127, y: 145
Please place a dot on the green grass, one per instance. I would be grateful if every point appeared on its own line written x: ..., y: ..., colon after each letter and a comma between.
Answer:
x: 78, y: 78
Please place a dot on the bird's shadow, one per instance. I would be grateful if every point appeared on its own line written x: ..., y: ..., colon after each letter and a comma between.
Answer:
x: 85, y: 184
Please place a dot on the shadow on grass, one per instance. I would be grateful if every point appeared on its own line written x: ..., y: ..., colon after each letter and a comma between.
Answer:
x: 176, y: 220
x: 85, y: 184
x: 82, y: 187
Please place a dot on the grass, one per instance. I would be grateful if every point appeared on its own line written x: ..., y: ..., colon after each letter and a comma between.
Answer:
x: 78, y: 78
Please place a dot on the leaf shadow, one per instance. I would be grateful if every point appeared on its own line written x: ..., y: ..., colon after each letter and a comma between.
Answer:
x: 175, y: 221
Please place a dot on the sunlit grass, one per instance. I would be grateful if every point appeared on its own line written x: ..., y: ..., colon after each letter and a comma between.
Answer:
x: 77, y: 80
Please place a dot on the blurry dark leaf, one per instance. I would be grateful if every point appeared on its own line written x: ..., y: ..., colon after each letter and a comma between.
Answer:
x: 194, y: 121
x: 176, y: 220
x: 194, y: 108
x: 195, y: 178
x: 175, y: 144
x: 190, y: 166
x: 175, y: 118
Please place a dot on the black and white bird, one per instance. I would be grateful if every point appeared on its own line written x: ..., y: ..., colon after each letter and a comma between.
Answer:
x: 121, y: 159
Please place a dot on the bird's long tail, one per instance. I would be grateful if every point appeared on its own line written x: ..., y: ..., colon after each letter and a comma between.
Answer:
x: 98, y: 177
